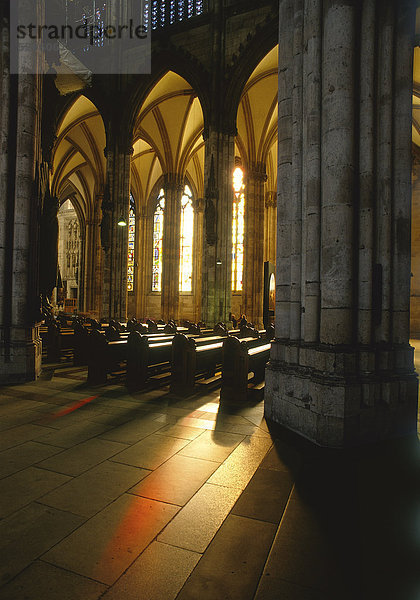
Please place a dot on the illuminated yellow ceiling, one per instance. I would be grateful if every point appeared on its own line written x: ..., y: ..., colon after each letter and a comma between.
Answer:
x: 168, y: 137
x: 257, y: 118
x: 79, y: 164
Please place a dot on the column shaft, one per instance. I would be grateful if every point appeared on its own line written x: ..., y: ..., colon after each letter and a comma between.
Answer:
x: 171, y: 246
x: 217, y: 247
x: 254, y: 245
x: 116, y: 206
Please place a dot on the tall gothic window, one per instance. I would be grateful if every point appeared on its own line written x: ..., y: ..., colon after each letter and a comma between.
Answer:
x: 160, y: 13
x: 131, y: 244
x: 238, y: 226
x: 158, y: 243
x: 186, y: 246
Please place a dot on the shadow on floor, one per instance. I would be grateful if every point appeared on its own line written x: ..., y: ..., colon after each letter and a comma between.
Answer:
x: 365, y: 504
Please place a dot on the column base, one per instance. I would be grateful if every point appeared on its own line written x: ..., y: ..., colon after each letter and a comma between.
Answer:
x: 21, y: 360
x: 342, y: 397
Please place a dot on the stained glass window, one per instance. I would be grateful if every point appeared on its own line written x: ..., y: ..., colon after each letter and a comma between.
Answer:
x: 159, y: 13
x: 157, y: 243
x: 238, y: 226
x: 131, y: 244
x: 186, y: 246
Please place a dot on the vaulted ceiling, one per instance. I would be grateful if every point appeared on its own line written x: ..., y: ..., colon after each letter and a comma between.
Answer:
x: 79, y: 163
x: 257, y: 118
x: 168, y: 137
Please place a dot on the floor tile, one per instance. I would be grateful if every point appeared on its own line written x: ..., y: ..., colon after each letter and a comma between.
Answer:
x: 133, y: 431
x: 72, y: 435
x: 181, y: 431
x: 177, y: 480
x: 23, y: 487
x: 82, y: 457
x: 301, y: 553
x: 13, y: 460
x: 41, y: 581
x: 232, y: 565
x: 21, y: 418
x: 106, y: 545
x: 282, y: 457
x: 212, y: 445
x: 151, y: 452
x: 158, y: 574
x: 196, y: 524
x: 265, y: 496
x: 28, y: 533
x: 19, y: 435
x: 274, y: 588
x: 90, y: 492
x: 238, y: 469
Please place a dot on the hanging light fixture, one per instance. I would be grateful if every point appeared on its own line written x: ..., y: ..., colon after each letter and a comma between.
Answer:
x: 122, y: 222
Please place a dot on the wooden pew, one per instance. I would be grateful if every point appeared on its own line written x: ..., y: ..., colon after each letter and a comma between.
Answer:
x: 59, y: 340
x: 241, y: 357
x: 146, y: 355
x: 81, y: 345
x: 193, y: 358
x: 81, y: 350
x: 105, y: 357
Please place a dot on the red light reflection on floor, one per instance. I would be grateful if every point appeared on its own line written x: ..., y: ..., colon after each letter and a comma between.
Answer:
x: 140, y: 521
x: 72, y: 408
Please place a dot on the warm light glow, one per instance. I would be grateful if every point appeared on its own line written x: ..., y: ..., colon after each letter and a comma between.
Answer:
x: 131, y: 244
x: 186, y: 245
x: 238, y: 229
x: 238, y: 179
x: 158, y: 243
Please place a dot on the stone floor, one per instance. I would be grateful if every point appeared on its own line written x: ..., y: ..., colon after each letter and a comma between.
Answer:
x: 106, y: 494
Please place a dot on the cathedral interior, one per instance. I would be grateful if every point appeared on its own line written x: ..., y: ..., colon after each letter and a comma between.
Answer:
x: 210, y: 305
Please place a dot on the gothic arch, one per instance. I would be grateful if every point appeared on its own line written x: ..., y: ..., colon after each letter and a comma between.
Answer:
x: 184, y: 65
x: 265, y: 39
x: 78, y: 158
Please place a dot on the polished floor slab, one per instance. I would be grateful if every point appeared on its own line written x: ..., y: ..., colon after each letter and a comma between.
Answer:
x: 149, y: 496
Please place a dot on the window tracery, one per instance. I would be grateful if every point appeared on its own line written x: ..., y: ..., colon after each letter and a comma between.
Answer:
x: 131, y: 244
x: 158, y: 219
x: 160, y: 13
x: 238, y: 229
x: 186, y: 244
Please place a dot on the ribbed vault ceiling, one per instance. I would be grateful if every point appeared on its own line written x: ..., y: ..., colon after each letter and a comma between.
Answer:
x: 78, y: 158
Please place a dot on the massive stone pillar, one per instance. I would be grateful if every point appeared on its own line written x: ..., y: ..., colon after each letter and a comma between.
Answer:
x: 173, y: 186
x: 198, y: 256
x: 415, y: 249
x: 144, y: 224
x: 115, y: 206
x: 254, y: 245
x: 93, y: 262
x: 22, y: 183
x: 217, y: 246
x: 270, y: 229
x: 341, y: 369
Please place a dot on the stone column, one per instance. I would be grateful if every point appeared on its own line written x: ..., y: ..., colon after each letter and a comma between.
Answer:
x: 93, y: 262
x: 173, y: 186
x: 415, y: 249
x: 284, y: 184
x: 349, y: 377
x: 23, y: 181
x: 254, y: 244
x: 270, y: 228
x: 198, y: 256
x: 142, y: 278
x: 115, y: 238
x: 217, y: 246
